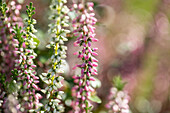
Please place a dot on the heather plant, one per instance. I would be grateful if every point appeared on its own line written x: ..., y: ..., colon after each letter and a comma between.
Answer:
x: 24, y: 90
x: 133, y: 41
x: 118, y: 99
x: 9, y: 17
x: 53, y: 77
x: 84, y: 30
x: 25, y: 43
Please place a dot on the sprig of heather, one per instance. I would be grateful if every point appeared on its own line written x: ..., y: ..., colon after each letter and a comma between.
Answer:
x: 118, y: 99
x: 52, y: 78
x: 84, y: 30
x: 9, y: 17
x: 6, y: 37
x: 25, y: 67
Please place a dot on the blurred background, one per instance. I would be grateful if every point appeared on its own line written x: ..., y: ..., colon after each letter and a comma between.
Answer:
x: 134, y: 42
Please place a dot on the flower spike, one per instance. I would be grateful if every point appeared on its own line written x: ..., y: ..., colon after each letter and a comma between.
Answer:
x: 25, y: 67
x: 84, y: 30
x: 52, y: 78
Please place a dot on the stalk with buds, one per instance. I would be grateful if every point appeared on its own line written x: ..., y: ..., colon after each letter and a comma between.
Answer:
x: 84, y: 30
x: 52, y: 78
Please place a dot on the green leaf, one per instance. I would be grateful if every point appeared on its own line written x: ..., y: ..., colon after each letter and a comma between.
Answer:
x: 95, y: 98
x: 118, y: 83
x: 31, y: 4
x: 90, y: 108
x: 37, y: 41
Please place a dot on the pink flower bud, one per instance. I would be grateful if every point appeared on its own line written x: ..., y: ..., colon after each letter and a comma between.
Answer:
x: 17, y: 12
x: 31, y: 56
x: 24, y: 83
x: 94, y: 53
x: 35, y: 77
x: 85, y: 29
x: 35, y: 86
x: 76, y: 81
x: 74, y: 67
x: 92, y: 79
x: 28, y: 77
x: 90, y: 4
x: 78, y: 95
x: 36, y: 81
x: 26, y: 72
x: 18, y: 7
x: 88, y: 83
x: 76, y: 53
x: 94, y: 73
x: 80, y: 6
x: 94, y: 59
x: 28, y: 86
x: 80, y: 83
x: 95, y: 64
x: 33, y: 66
x: 86, y: 88
x: 94, y: 39
x: 83, y: 98
x: 75, y: 44
x: 29, y: 81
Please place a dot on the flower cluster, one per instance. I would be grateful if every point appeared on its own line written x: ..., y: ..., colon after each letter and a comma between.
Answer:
x: 6, y: 24
x: 52, y: 78
x: 25, y: 44
x: 84, y: 30
x: 118, y: 99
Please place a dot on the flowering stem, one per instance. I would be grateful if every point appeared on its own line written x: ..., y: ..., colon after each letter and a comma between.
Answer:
x: 9, y: 16
x: 52, y: 78
x: 25, y: 45
x: 118, y: 98
x: 84, y: 31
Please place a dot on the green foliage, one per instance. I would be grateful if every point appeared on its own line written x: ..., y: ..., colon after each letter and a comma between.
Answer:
x: 3, y: 81
x: 9, y: 86
x: 30, y: 24
x: 30, y: 10
x: 14, y: 74
x: 30, y: 13
x: 118, y: 83
x: 3, y: 8
x: 88, y: 108
x: 95, y: 98
x: 18, y: 34
x: 37, y: 41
